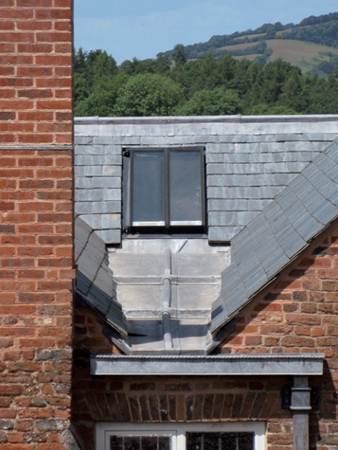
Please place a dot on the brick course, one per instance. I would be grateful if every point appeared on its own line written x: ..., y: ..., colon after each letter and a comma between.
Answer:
x: 36, y: 296
x: 36, y: 72
x: 35, y: 223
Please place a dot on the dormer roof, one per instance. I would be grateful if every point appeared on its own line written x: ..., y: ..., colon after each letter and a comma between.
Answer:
x: 270, y: 190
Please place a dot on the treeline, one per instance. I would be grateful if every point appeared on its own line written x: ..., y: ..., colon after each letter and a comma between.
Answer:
x: 323, y: 33
x: 317, y: 29
x: 206, y: 86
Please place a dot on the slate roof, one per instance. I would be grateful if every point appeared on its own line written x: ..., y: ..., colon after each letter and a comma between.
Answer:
x: 277, y: 235
x: 248, y: 161
x: 94, y: 279
x: 270, y: 190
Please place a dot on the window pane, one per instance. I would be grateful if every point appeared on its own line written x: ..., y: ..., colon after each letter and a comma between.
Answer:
x: 132, y: 443
x: 185, y: 188
x: 163, y: 443
x: 155, y: 443
x: 194, y: 441
x: 139, y: 443
x: 116, y: 443
x: 147, y: 188
x: 220, y: 441
x: 246, y: 441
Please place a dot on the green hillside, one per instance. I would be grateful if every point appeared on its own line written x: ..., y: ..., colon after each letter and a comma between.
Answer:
x: 312, y: 44
x: 276, y: 69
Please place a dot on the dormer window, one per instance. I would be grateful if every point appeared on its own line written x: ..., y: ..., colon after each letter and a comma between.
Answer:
x: 164, y: 189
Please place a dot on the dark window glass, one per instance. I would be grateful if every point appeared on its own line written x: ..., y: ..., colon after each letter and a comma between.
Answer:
x: 220, y: 441
x: 155, y: 443
x: 185, y: 188
x: 132, y: 443
x: 148, y: 189
x: 116, y: 443
x: 139, y: 443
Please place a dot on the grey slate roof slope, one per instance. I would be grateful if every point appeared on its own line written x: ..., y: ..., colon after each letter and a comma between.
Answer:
x: 279, y: 233
x: 98, y: 178
x: 94, y: 280
x: 248, y: 161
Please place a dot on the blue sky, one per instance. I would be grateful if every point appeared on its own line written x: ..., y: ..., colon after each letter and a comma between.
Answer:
x: 143, y: 28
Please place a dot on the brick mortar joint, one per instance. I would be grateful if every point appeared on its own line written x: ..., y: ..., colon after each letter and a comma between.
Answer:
x: 47, y: 147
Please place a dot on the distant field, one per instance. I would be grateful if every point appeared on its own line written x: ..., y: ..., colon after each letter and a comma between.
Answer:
x: 235, y: 47
x: 300, y: 53
x: 249, y: 57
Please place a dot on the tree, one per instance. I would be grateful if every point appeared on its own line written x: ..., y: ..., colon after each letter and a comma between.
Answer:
x: 178, y: 55
x: 81, y: 91
x: 148, y: 95
x: 292, y: 92
x: 240, y: 80
x: 274, y: 77
x: 212, y: 102
x: 318, y: 95
x: 101, y: 101
x: 104, y: 66
x: 265, y: 110
x: 80, y: 62
x: 94, y: 72
x: 332, y: 90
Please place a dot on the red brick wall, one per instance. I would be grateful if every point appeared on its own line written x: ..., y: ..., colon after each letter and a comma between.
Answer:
x: 35, y: 72
x: 35, y: 223
x: 166, y: 399
x: 299, y: 311
x: 296, y: 314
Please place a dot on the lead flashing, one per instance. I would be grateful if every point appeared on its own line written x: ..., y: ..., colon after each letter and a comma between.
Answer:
x: 95, y: 120
x: 243, y: 364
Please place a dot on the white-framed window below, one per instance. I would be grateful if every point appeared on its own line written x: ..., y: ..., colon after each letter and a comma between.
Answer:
x: 181, y: 436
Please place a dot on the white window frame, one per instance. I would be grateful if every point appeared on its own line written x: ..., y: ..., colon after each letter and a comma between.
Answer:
x: 177, y: 431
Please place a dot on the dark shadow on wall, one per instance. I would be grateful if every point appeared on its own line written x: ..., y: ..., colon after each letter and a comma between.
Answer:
x: 88, y: 338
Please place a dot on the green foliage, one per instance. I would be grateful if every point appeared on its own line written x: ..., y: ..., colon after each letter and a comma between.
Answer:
x: 213, y: 102
x: 275, y: 75
x: 178, y: 54
x: 263, y: 109
x: 161, y: 66
x: 292, y: 92
x: 205, y: 86
x: 93, y: 75
x: 101, y: 101
x: 148, y: 95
